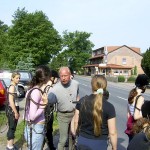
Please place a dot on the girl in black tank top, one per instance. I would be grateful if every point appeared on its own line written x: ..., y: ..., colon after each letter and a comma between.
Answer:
x: 14, y: 107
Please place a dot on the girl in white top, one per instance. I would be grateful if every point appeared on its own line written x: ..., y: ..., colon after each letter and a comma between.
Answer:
x: 140, y: 83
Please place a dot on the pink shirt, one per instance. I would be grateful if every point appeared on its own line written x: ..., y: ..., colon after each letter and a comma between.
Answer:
x: 35, y: 112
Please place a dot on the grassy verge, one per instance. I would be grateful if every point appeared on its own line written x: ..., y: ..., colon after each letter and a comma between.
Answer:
x: 3, y: 119
x: 3, y: 125
x: 19, y: 137
x: 19, y: 134
x: 55, y: 124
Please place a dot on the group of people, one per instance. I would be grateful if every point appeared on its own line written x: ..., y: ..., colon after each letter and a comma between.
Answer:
x: 91, y: 119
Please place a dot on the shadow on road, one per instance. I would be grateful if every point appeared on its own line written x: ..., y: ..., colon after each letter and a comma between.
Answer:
x: 120, y: 141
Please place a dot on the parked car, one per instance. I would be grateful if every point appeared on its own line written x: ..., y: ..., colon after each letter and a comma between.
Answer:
x: 22, y: 90
x: 26, y: 77
x: 3, y: 92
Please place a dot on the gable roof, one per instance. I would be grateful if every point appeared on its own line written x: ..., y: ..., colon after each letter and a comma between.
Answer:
x: 113, y: 48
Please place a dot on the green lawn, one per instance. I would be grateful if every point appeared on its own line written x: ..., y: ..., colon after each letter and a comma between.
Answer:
x: 19, y: 134
x: 3, y: 119
x: 3, y: 126
x: 19, y: 137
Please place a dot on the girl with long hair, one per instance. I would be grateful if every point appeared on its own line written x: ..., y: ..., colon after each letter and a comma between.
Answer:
x: 34, y: 110
x: 95, y: 118
x: 136, y: 100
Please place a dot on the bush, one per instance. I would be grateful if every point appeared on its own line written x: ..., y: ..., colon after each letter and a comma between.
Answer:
x: 121, y: 78
x: 131, y: 79
x: 19, y: 136
x: 80, y: 72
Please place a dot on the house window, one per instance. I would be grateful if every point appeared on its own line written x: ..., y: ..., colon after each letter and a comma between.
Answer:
x: 125, y: 71
x: 116, y: 71
x: 99, y: 52
x: 124, y: 61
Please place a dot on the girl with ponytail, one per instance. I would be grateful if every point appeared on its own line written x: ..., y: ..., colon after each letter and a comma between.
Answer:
x: 135, y: 102
x: 95, y: 118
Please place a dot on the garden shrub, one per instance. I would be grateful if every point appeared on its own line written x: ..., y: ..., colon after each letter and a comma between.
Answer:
x: 121, y: 78
x: 131, y: 79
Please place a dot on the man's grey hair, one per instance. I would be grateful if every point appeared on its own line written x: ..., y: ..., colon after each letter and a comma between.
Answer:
x: 64, y: 68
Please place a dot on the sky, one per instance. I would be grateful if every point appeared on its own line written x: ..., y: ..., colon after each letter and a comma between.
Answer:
x: 111, y: 22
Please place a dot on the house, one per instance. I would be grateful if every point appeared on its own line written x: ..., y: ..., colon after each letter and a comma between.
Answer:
x: 114, y: 61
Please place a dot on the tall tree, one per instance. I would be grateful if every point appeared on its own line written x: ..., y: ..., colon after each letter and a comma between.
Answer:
x: 146, y: 62
x: 32, y: 33
x: 77, y: 48
x: 58, y: 61
x: 3, y: 44
x: 26, y: 64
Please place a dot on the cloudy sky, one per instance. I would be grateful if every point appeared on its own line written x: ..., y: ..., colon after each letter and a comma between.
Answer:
x: 111, y: 22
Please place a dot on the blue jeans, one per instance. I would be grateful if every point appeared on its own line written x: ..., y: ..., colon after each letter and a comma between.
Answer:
x: 91, y: 144
x: 37, y: 136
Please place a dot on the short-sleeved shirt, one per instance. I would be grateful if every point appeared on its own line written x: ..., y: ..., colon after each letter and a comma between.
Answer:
x: 64, y: 95
x: 86, y: 125
x: 139, y: 142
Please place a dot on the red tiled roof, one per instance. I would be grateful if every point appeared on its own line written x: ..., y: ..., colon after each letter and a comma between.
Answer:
x: 113, y: 48
x: 118, y: 66
x: 113, y: 66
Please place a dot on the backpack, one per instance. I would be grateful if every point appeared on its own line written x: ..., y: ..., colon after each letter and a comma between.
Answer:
x: 131, y: 121
x: 47, y: 110
x: 49, y: 107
